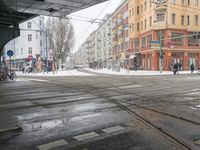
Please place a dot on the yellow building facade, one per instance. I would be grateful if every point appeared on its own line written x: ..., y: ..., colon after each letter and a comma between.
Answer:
x: 173, y: 23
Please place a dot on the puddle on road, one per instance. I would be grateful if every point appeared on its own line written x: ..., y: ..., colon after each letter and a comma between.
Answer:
x: 193, y: 93
x: 194, y: 108
x: 197, y: 106
x: 43, y: 125
x: 92, y: 106
x: 29, y: 116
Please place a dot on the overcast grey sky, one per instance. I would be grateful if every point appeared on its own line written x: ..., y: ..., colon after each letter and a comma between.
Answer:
x: 81, y: 26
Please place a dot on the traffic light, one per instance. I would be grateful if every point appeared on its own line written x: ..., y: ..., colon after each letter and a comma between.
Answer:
x: 196, y: 35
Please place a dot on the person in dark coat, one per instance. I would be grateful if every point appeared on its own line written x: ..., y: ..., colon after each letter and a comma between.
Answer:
x: 192, y: 68
x: 175, y: 68
x: 179, y: 66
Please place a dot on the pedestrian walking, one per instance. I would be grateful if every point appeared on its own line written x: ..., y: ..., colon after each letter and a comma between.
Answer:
x: 62, y: 66
x: 127, y: 68
x: 179, y: 66
x: 192, y: 68
x: 175, y: 68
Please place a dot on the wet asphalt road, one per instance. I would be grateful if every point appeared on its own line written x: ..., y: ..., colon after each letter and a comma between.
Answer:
x: 99, y: 112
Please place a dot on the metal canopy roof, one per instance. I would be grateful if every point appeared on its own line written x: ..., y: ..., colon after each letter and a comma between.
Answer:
x: 15, y: 11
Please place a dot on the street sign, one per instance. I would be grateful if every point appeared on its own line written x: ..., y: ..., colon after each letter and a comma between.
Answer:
x: 155, y: 44
x: 10, y: 53
x: 30, y: 57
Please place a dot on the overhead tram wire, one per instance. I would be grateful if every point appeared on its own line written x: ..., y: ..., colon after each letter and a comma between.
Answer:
x: 94, y: 20
x: 35, y: 31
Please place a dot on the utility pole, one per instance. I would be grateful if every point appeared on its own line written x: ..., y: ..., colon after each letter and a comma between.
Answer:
x: 46, y: 52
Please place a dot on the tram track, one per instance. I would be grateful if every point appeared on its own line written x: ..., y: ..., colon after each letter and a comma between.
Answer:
x: 170, y: 137
x: 100, y: 92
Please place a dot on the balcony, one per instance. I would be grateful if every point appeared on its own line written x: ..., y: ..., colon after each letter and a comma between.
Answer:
x: 161, y: 7
x: 157, y: 25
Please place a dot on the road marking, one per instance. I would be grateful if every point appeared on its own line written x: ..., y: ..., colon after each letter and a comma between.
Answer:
x: 52, y: 145
x: 130, y: 86
x: 113, y: 129
x: 39, y: 80
x: 125, y: 87
x: 10, y: 129
x: 86, y: 136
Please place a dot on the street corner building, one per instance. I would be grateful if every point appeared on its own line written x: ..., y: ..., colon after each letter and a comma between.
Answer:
x: 145, y: 35
x: 174, y: 24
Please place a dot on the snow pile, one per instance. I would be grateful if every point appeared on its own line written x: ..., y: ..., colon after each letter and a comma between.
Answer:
x: 133, y: 72
x: 58, y: 73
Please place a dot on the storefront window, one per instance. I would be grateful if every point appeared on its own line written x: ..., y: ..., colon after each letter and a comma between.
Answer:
x: 177, y: 38
x: 136, y: 43
x: 192, y: 41
x: 149, y: 39
x: 143, y: 42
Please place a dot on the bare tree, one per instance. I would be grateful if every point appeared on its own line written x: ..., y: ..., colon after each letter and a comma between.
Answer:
x: 61, y: 38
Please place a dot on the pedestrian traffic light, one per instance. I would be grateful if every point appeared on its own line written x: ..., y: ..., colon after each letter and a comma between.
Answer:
x: 196, y: 35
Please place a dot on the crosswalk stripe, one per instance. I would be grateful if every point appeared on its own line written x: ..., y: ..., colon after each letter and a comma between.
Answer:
x: 86, y: 136
x: 113, y: 129
x: 52, y: 145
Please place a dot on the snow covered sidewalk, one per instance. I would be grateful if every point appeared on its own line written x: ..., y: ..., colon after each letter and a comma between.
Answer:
x: 133, y: 72
x: 59, y: 73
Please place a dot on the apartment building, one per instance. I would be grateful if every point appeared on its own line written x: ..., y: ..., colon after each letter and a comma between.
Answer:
x: 172, y: 23
x: 30, y: 43
x: 120, y: 33
x: 103, y: 47
x: 90, y: 46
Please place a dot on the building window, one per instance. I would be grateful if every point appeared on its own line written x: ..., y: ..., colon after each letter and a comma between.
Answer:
x: 145, y: 6
x: 36, y: 36
x: 196, y: 2
x: 21, y: 51
x: 196, y: 20
x: 160, y: 17
x: 138, y: 10
x: 141, y: 25
x: 150, y: 3
x: 136, y: 43
x: 40, y: 42
x: 177, y: 38
x: 138, y: 27
x: 150, y: 21
x: 141, y: 8
x: 149, y: 39
x: 143, y: 42
x: 192, y: 41
x: 145, y: 24
x: 29, y: 37
x: 188, y: 20
x: 182, y: 20
x: 183, y: 2
x: 173, y: 1
x: 132, y: 11
x: 133, y: 27
x: 173, y: 18
x: 30, y: 50
x: 29, y: 25
x: 188, y: 2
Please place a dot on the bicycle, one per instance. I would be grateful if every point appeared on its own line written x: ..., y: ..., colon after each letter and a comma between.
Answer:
x: 11, y: 76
